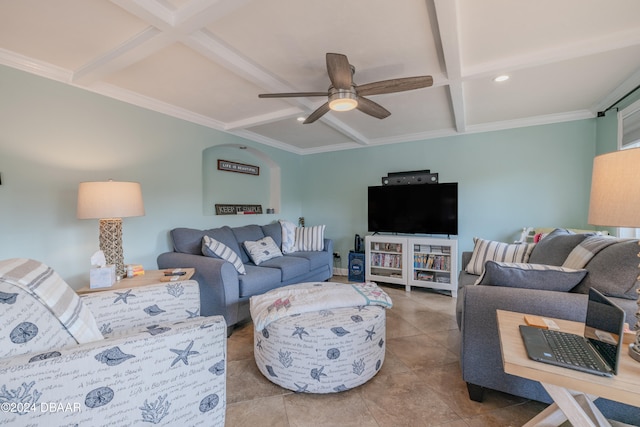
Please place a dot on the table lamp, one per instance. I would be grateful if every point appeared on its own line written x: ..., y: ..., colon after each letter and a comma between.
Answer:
x: 110, y: 201
x: 615, y: 202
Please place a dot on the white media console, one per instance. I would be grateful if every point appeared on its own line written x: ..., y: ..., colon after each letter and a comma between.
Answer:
x: 426, y: 262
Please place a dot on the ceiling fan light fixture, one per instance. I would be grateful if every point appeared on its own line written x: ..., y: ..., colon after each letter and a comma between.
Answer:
x: 342, y: 100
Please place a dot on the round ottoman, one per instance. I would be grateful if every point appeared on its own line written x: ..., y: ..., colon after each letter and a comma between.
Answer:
x: 324, y: 351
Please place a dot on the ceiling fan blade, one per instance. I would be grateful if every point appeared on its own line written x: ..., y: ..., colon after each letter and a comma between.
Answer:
x: 371, y: 108
x: 321, y: 111
x: 339, y: 71
x: 292, y: 94
x: 394, y: 85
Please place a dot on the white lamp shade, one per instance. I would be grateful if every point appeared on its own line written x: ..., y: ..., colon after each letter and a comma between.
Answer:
x: 109, y: 199
x: 615, y: 189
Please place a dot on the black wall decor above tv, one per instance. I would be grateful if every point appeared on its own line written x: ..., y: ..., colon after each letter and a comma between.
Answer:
x: 414, y: 209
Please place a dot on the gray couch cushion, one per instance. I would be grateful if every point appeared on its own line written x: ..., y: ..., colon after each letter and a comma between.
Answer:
x: 556, y: 246
x: 274, y: 230
x: 316, y: 258
x: 289, y: 267
x: 613, y: 271
x: 189, y: 240
x: 531, y: 276
x: 251, y: 233
x: 258, y: 280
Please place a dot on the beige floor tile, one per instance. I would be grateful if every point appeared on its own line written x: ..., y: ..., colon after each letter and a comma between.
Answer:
x: 398, y: 327
x: 345, y: 409
x: 446, y: 380
x: 449, y: 339
x: 420, y: 352
x: 405, y: 400
x: 511, y: 416
x: 241, y: 346
x: 266, y: 412
x: 246, y: 382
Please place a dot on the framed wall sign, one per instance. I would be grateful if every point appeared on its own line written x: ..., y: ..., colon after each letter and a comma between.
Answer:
x: 227, y: 166
x: 228, y: 209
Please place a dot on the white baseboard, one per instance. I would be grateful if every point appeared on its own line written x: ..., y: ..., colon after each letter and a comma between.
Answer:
x: 340, y: 271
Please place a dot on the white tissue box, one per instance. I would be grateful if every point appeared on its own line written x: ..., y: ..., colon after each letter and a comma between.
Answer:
x: 102, y: 277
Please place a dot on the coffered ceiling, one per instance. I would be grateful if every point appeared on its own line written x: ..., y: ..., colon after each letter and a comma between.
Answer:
x: 206, y: 61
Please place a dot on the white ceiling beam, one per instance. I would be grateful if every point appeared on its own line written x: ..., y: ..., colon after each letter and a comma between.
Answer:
x: 154, y: 13
x: 167, y: 26
x: 199, y: 13
x: 153, y: 104
x: 264, y: 119
x: 449, y: 28
x: 133, y: 50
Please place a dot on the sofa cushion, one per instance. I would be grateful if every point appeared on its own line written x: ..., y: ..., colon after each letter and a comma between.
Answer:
x: 245, y: 233
x: 316, y: 258
x: 212, y: 248
x: 289, y: 266
x: 189, y: 240
x: 258, y: 280
x: 613, y: 271
x: 274, y: 230
x: 262, y: 250
x: 488, y: 250
x: 310, y: 238
x: 531, y: 276
x: 554, y: 248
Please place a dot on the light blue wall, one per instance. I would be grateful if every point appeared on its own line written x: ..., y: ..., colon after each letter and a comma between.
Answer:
x: 535, y: 176
x: 53, y: 137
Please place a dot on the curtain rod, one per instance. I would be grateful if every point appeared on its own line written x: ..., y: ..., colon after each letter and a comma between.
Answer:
x: 602, y: 113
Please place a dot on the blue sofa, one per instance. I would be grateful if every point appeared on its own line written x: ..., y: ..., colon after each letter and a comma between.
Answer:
x: 226, y: 292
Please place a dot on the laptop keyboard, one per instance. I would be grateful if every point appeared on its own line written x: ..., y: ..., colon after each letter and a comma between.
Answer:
x: 569, y: 348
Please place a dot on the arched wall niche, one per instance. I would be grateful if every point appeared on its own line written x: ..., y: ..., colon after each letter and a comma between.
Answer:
x: 237, y: 188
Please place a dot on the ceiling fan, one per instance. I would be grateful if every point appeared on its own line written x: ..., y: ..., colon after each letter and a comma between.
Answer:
x: 345, y: 95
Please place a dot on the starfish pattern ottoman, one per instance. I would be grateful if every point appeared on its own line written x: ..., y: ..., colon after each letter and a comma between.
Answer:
x: 324, y: 350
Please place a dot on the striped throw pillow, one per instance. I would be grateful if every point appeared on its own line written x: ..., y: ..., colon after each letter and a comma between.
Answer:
x: 213, y: 248
x: 46, y: 286
x: 488, y: 250
x: 310, y: 238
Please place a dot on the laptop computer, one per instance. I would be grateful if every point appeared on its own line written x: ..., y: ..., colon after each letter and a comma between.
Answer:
x: 596, y: 352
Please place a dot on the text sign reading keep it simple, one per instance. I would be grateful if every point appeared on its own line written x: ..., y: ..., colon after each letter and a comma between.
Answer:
x: 226, y: 165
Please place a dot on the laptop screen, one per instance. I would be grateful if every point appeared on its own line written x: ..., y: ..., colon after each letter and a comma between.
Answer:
x: 604, y: 327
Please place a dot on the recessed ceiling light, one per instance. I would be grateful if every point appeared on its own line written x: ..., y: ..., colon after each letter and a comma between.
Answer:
x: 502, y: 78
x: 301, y: 119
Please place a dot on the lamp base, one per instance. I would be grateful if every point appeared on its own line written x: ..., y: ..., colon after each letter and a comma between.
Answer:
x: 634, y: 352
x: 111, y: 243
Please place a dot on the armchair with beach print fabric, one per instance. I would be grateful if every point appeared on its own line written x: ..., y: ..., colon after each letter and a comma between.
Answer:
x: 118, y: 357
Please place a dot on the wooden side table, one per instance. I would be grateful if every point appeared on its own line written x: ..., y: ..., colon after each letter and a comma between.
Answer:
x: 148, y: 278
x: 572, y: 391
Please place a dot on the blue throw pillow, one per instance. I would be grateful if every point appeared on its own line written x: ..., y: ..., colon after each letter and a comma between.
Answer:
x: 530, y: 276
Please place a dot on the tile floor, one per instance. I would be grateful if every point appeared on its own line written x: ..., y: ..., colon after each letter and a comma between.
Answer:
x: 419, y: 384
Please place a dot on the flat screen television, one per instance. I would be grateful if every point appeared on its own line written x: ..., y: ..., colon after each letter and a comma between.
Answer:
x: 414, y: 209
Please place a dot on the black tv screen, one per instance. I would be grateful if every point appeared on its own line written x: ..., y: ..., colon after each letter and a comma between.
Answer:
x: 414, y: 209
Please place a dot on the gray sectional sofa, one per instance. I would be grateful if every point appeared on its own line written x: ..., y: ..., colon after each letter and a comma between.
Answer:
x: 224, y: 291
x: 613, y: 271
